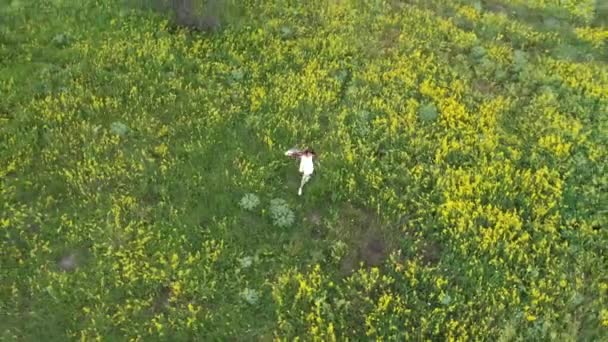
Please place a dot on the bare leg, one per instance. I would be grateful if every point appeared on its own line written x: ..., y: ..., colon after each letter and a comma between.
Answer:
x: 305, y: 179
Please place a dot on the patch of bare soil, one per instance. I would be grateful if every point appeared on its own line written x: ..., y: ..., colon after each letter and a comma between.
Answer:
x: 69, y: 262
x: 483, y: 87
x: 348, y: 265
x: 496, y: 7
x: 73, y: 259
x: 314, y: 219
x: 369, y: 251
x: 389, y: 38
x: 366, y: 239
x: 374, y: 252
x: 162, y: 299
x: 430, y: 253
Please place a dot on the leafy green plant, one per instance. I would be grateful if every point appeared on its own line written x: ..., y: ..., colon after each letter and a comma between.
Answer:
x: 428, y: 112
x: 251, y: 296
x: 119, y: 128
x: 478, y: 52
x: 338, y: 250
x: 246, y: 262
x: 61, y: 40
x: 281, y: 213
x: 249, y: 201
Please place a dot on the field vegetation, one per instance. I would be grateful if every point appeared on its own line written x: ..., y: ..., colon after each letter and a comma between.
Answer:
x: 461, y: 189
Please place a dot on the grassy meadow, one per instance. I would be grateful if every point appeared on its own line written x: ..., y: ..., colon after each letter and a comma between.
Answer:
x: 460, y: 191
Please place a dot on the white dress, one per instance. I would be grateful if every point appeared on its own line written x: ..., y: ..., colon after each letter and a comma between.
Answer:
x: 306, y: 165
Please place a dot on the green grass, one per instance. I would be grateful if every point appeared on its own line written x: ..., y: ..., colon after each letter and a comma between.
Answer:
x: 460, y: 189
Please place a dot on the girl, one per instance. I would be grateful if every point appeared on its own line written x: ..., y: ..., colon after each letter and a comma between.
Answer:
x: 306, y: 164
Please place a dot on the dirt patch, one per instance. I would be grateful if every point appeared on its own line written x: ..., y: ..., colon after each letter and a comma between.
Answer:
x: 357, y: 221
x: 397, y: 5
x: 430, y: 253
x: 493, y: 6
x: 143, y: 213
x: 73, y: 258
x: 369, y: 252
x: 318, y: 232
x: 374, y: 252
x: 390, y: 37
x: 69, y: 262
x: 161, y: 303
x: 367, y: 241
x: 314, y: 220
x: 314, y: 217
x: 348, y: 265
x: 380, y: 153
x: 34, y: 228
x: 483, y: 87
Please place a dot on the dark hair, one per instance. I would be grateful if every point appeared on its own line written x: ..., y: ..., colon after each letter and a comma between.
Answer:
x: 309, y: 150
